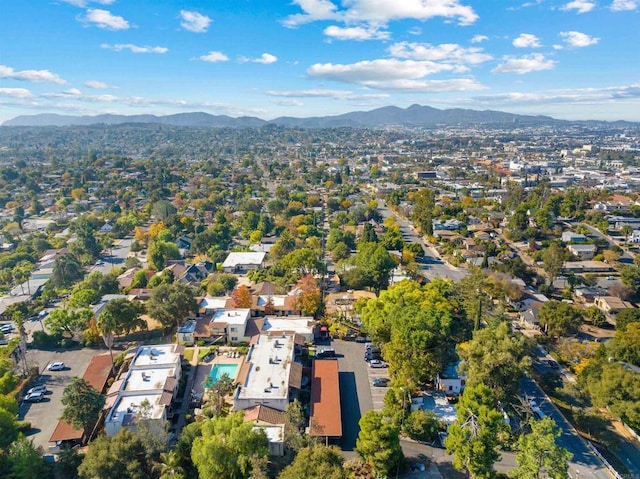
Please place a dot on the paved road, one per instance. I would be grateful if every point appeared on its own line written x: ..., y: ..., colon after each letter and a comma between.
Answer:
x: 432, y: 266
x: 625, y: 258
x: 584, y: 464
x: 113, y: 257
x: 44, y: 415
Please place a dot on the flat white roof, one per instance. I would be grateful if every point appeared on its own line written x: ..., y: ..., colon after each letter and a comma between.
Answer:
x: 236, y: 258
x: 231, y: 316
x: 301, y: 325
x: 131, y: 405
x: 268, y: 377
x: 147, y: 379
x: 155, y: 356
x: 274, y: 433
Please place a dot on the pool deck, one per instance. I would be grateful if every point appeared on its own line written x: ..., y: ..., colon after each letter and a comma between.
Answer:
x: 204, y: 369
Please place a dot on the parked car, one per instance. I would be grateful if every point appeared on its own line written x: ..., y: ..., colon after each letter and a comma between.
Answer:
x: 326, y: 353
x: 381, y: 382
x: 361, y: 339
x: 34, y: 397
x: 376, y: 363
x: 6, y: 328
x: 38, y: 389
x: 552, y: 364
x: 57, y: 366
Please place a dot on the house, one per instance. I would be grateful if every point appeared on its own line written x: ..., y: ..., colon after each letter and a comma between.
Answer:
x: 265, y: 245
x: 196, y: 272
x: 451, y: 381
x: 186, y: 333
x: 230, y: 324
x: 242, y: 262
x: 587, y: 266
x: 583, y: 251
x: 304, y: 327
x: 269, y: 375
x: 98, y: 308
x: 635, y: 237
x: 571, y: 237
x: 325, y: 420
x: 126, y: 279
x: 184, y: 243
x: 343, y: 304
x: 611, y: 305
x: 276, y: 304
x: 272, y: 422
x: 146, y: 391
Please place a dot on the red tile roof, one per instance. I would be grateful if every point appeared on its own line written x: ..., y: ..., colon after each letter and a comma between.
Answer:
x: 325, y: 399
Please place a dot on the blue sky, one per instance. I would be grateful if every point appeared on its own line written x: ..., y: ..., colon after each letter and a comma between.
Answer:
x: 571, y: 59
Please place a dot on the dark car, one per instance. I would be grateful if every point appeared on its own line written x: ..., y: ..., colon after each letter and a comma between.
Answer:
x: 361, y: 339
x: 326, y: 353
x: 552, y: 364
x: 381, y: 382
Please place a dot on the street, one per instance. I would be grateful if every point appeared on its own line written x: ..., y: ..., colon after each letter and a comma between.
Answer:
x: 113, y: 257
x: 432, y: 266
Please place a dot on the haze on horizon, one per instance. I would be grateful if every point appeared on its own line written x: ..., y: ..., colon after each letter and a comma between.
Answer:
x: 575, y: 60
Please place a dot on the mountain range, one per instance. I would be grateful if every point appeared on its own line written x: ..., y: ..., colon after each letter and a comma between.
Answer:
x: 415, y: 116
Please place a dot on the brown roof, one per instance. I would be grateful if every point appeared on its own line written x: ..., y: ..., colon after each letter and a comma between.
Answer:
x: 265, y: 287
x: 266, y: 414
x: 241, y: 378
x: 254, y: 327
x: 166, y: 398
x: 96, y: 374
x: 170, y: 385
x: 325, y: 399
x: 202, y: 328
x: 295, y: 376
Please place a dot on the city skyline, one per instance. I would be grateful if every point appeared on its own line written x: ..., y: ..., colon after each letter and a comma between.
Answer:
x: 567, y: 59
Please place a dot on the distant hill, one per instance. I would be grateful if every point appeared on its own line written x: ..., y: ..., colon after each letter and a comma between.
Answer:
x: 415, y: 115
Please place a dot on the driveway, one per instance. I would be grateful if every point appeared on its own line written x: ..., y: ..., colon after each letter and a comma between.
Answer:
x: 355, y: 392
x: 44, y: 415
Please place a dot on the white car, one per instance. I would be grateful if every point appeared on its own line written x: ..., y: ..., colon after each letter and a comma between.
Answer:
x: 57, y: 366
x: 38, y: 389
x: 376, y: 363
x: 34, y: 397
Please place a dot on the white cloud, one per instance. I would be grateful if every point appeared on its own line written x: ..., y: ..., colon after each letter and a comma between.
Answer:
x: 578, y: 40
x: 214, y: 57
x: 356, y: 33
x: 443, y: 52
x: 479, y: 38
x: 72, y: 92
x: 288, y: 103
x: 393, y: 74
x: 624, y: 5
x: 104, y: 19
x: 35, y: 76
x: 521, y: 65
x: 377, y: 12
x: 415, y: 31
x: 580, y: 6
x: 577, y: 95
x: 84, y: 3
x: 526, y: 40
x: 194, y: 21
x: 265, y: 59
x: 15, y: 92
x: 134, y: 48
x: 96, y: 84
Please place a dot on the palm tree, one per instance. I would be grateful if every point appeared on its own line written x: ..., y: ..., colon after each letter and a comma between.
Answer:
x: 169, y: 466
x: 626, y: 230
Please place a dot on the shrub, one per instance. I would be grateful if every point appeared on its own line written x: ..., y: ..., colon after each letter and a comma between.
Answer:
x: 42, y: 340
x: 23, y: 426
x: 422, y: 426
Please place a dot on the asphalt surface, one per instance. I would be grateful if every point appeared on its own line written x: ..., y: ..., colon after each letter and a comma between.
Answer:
x: 584, y: 463
x: 432, y: 266
x: 44, y: 415
x: 113, y: 257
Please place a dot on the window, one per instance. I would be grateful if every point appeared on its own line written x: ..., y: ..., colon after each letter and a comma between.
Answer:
x: 450, y: 388
x: 234, y: 330
x: 234, y: 338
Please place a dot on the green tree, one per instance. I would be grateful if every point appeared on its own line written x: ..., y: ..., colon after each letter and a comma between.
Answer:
x: 597, y: 317
x: 227, y: 446
x: 376, y: 263
x: 422, y: 215
x: 171, y: 303
x: 474, y: 437
x: 558, y: 318
x: 626, y: 317
x: 553, y: 259
x: 26, y: 460
x: 316, y: 462
x: 422, y: 426
x: 538, y: 455
x: 83, y: 298
x: 122, y: 456
x: 378, y: 443
x: 496, y: 358
x: 630, y: 276
x: 294, y: 437
x: 162, y: 210
x: 159, y: 252
x: 82, y: 403
x: 66, y: 271
x: 69, y: 321
x: 626, y: 230
x: 121, y: 316
x: 625, y: 345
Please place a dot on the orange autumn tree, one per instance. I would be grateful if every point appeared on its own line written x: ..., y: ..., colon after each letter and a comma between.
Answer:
x: 241, y: 297
x: 309, y: 300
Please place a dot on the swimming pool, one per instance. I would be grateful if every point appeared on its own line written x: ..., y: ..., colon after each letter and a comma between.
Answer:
x: 219, y: 369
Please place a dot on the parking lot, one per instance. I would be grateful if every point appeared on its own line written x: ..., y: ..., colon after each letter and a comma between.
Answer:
x: 44, y: 415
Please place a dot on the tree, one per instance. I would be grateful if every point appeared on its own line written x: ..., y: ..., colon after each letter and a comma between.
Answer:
x: 162, y: 210
x: 26, y: 460
x: 375, y: 263
x: 82, y: 404
x: 227, y: 446
x: 626, y: 317
x: 66, y: 271
x: 171, y: 303
x: 422, y: 426
x: 241, y: 297
x: 316, y: 462
x: 553, y: 259
x: 159, y: 252
x: 495, y: 358
x: 626, y: 230
x: 121, y: 316
x: 378, y: 443
x: 422, y: 215
x: 538, y: 452
x: 294, y: 437
x: 626, y: 344
x: 474, y: 437
x: 83, y: 298
x: 309, y: 301
x: 122, y: 456
x: 630, y: 276
x: 218, y: 390
x: 597, y: 317
x: 69, y: 321
x: 558, y: 318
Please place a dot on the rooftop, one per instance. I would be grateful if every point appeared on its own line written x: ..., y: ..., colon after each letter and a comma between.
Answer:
x: 147, y: 379
x: 270, y: 360
x: 164, y: 355
x: 325, y: 399
x: 238, y: 257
